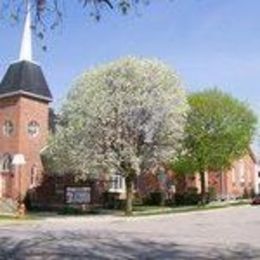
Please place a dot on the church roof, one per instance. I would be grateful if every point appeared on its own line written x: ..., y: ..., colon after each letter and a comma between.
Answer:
x: 26, y: 78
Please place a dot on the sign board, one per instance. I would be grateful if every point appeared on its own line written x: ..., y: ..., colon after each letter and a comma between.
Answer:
x: 78, y: 195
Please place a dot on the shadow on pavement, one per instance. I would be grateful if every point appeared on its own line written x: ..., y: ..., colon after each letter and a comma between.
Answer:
x: 72, y: 245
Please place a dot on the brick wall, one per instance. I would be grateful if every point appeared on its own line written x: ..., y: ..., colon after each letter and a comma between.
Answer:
x: 237, y: 181
x: 21, y: 110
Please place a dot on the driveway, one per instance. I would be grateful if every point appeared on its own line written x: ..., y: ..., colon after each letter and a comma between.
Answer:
x: 231, y: 233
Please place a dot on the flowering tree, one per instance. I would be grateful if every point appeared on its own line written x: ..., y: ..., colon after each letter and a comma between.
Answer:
x: 123, y: 117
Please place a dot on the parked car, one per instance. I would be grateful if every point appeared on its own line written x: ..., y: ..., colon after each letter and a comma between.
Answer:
x: 256, y: 200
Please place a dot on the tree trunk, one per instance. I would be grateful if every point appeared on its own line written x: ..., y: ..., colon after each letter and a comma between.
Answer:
x: 203, y: 188
x: 129, y: 195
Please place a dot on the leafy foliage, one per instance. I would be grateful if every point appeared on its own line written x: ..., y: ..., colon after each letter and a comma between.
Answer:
x: 122, y: 117
x: 219, y: 130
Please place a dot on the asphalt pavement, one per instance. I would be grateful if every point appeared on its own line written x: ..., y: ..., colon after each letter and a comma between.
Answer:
x: 230, y: 233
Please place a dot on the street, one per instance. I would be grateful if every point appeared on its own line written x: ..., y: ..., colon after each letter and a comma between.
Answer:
x: 231, y: 233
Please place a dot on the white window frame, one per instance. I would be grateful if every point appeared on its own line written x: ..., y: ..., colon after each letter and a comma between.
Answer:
x: 1, y: 186
x: 117, y: 183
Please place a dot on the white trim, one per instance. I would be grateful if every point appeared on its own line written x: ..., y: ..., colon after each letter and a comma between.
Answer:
x: 257, y: 179
x: 26, y: 93
x: 18, y: 159
x: 1, y: 186
x: 117, y: 183
x: 44, y: 149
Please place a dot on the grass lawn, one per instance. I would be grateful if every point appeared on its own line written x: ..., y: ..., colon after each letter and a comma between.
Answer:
x: 154, y: 210
x: 7, y: 217
x: 137, y: 211
x: 14, y: 218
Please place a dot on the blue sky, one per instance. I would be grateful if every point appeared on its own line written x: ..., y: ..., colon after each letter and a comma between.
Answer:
x: 208, y: 42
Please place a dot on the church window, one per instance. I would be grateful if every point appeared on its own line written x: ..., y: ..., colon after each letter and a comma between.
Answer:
x: 33, y: 128
x: 117, y: 183
x: 8, y: 128
x: 6, y: 162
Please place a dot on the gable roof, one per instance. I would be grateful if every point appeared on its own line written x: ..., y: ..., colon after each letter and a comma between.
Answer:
x: 26, y: 78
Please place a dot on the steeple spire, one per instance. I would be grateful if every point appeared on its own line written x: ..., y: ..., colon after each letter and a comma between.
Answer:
x: 26, y: 46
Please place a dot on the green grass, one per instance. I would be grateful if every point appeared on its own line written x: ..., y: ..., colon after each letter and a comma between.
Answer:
x: 156, y: 210
x: 14, y: 218
x: 137, y: 211
x: 6, y: 217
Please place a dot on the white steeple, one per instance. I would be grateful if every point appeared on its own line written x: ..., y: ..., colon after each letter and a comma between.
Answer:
x: 26, y: 46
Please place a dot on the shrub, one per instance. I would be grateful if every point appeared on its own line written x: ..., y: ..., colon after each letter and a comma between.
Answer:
x: 190, y: 197
x: 69, y: 210
x: 138, y: 201
x: 111, y: 201
x: 28, y: 203
x: 245, y: 194
x: 212, y: 194
x: 252, y: 193
x: 155, y: 198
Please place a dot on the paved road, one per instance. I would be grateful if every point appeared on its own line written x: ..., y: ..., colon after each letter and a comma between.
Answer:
x: 232, y: 233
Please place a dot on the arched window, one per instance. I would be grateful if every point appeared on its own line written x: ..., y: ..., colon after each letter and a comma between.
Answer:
x: 6, y: 162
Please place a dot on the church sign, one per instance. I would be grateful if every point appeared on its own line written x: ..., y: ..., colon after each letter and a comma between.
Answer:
x: 77, y: 195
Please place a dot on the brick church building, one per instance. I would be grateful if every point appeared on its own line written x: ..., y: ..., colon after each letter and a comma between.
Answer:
x: 24, y: 112
x: 24, y: 128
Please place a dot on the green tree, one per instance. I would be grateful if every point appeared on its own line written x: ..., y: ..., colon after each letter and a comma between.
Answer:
x: 123, y: 117
x: 219, y: 130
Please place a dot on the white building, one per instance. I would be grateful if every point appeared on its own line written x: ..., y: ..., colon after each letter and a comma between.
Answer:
x: 257, y: 179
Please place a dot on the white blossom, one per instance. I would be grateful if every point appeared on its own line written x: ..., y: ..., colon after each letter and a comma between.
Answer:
x: 127, y: 114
